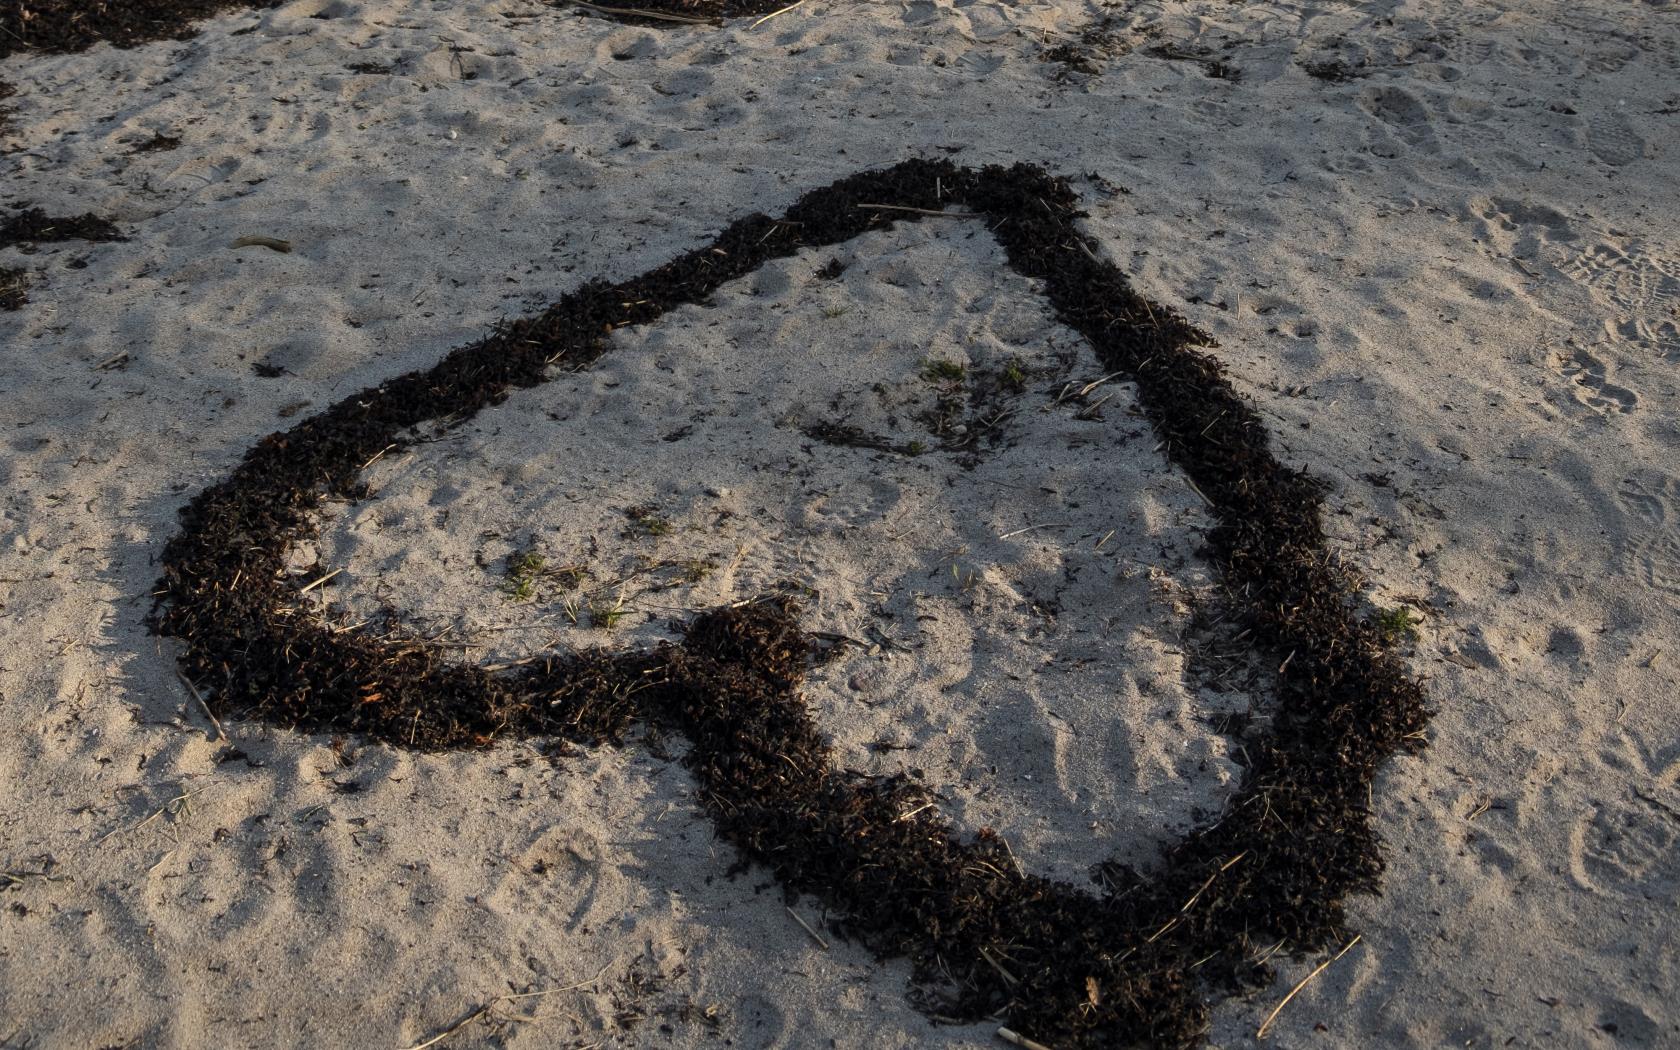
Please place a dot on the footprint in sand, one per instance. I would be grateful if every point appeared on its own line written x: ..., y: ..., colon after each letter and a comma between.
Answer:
x: 1613, y: 57
x: 1403, y: 115
x: 1652, y: 554
x: 1640, y: 290
x: 1480, y: 50
x: 627, y: 46
x: 1591, y: 384
x: 1626, y: 277
x: 1628, y: 845
x: 1523, y: 229
x: 1612, y: 139
x: 572, y: 857
x: 1660, y: 336
x: 871, y: 501
x: 1627, y: 848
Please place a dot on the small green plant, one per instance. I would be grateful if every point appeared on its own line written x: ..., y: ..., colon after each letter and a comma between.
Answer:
x: 604, y: 615
x: 524, y: 568
x: 831, y: 312
x: 646, y: 521
x: 1014, y: 375
x: 939, y: 370
x: 1398, y: 623
x: 916, y: 448
x: 527, y: 568
x: 695, y: 569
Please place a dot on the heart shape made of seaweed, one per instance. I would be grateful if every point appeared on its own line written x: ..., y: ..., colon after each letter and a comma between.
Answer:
x: 1134, y: 963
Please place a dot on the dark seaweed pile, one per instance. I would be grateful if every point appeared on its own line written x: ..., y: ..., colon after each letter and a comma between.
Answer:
x: 1132, y: 962
x: 34, y: 226
x: 664, y: 12
x: 14, y: 287
x: 74, y: 25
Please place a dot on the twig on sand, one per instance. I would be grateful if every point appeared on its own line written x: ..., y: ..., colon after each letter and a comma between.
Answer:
x: 1029, y: 528
x: 920, y: 211
x: 638, y: 12
x: 778, y: 11
x: 815, y: 936
x: 1015, y: 1038
x: 569, y: 987
x: 19, y: 878
x: 472, y: 1015
x: 221, y: 734
x: 924, y: 807
x: 180, y: 804
x: 311, y: 586
x: 377, y: 456
x: 480, y: 1011
x: 1198, y: 491
x: 1320, y: 968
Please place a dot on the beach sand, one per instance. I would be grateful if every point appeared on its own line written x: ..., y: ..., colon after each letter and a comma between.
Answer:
x: 1445, y: 269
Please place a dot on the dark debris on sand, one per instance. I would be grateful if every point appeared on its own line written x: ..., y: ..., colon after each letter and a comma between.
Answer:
x: 1131, y: 959
x: 158, y: 143
x: 75, y: 25
x: 32, y: 226
x: 1088, y: 54
x: 1334, y: 70
x: 14, y: 287
x: 665, y: 12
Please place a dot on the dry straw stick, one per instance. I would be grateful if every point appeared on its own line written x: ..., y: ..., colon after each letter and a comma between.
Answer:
x: 1267, y: 1023
x: 1015, y: 1038
x: 637, y: 12
x: 919, y: 211
x: 475, y: 1014
x: 306, y: 589
x: 1029, y: 528
x: 773, y: 14
x: 457, y: 1026
x: 179, y: 804
x: 814, y: 934
x: 221, y: 734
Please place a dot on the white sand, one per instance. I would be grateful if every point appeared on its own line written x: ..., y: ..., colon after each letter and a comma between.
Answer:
x: 1452, y: 286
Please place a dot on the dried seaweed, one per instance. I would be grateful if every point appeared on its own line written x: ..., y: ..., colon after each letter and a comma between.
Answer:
x: 34, y: 226
x: 1216, y: 68
x: 1096, y: 44
x: 1133, y: 960
x: 75, y: 25
x: 14, y: 287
